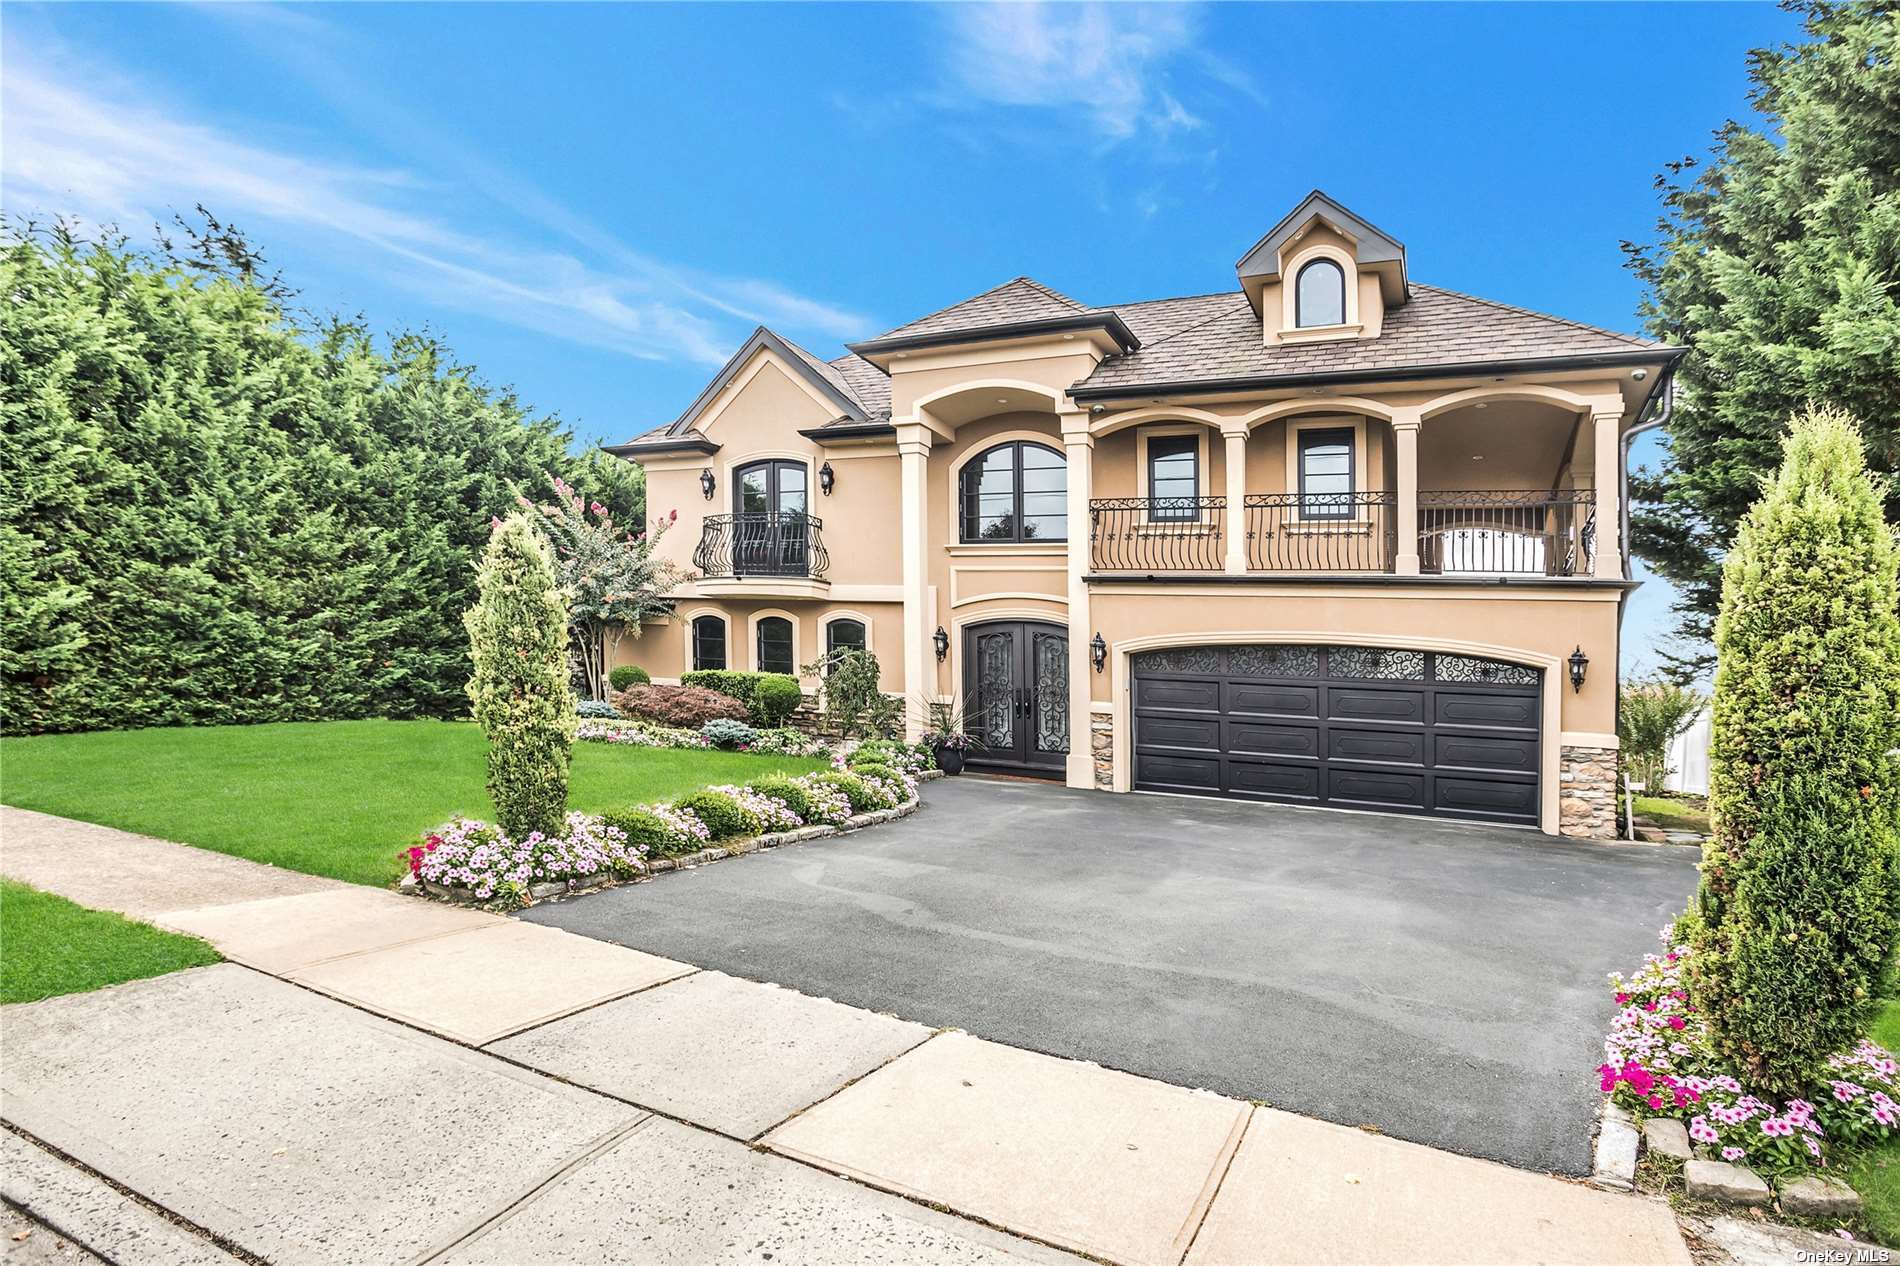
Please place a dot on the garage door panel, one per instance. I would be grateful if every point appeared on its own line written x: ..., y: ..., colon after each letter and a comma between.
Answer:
x: 1357, y: 703
x: 1474, y: 797
x: 1459, y: 707
x: 1193, y: 733
x: 1177, y: 695
x: 1175, y: 770
x: 1375, y: 787
x: 1247, y: 697
x: 1392, y: 747
x: 1257, y: 738
x: 1266, y: 778
x: 1471, y: 751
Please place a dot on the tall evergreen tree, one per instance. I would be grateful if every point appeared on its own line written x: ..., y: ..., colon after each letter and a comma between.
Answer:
x: 1778, y: 263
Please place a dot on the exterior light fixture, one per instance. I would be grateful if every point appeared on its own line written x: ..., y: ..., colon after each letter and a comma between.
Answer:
x: 1579, y: 664
x: 941, y: 640
x: 826, y: 478
x: 1098, y: 652
x: 706, y: 482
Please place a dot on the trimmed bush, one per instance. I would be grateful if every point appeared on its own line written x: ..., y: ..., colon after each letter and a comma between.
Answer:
x: 862, y: 795
x: 728, y: 734
x: 876, y: 769
x: 727, y: 681
x: 786, y: 791
x: 684, y: 707
x: 775, y: 699
x: 643, y: 828
x: 1796, y: 914
x: 628, y: 675
x: 596, y: 710
x: 725, y: 817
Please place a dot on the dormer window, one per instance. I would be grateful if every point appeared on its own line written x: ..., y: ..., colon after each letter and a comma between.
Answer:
x: 1319, y: 296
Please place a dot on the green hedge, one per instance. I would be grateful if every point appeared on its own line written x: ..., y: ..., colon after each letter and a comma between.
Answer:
x: 768, y: 697
x: 725, y: 817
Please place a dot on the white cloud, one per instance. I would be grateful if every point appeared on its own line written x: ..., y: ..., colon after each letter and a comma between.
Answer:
x: 112, y: 153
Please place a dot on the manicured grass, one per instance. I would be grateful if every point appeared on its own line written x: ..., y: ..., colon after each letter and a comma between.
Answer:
x: 336, y: 798
x: 1876, y: 1175
x: 1672, y: 814
x: 49, y: 946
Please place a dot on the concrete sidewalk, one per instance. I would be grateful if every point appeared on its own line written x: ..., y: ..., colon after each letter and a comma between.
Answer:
x: 475, y: 1089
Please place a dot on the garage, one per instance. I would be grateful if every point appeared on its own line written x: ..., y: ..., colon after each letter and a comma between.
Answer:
x: 1355, y: 727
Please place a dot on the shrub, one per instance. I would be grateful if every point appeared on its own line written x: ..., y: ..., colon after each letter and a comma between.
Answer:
x: 661, y: 829
x: 786, y: 742
x: 776, y: 698
x: 724, y: 816
x: 728, y: 734
x: 686, y: 707
x: 855, y: 703
x: 828, y: 803
x: 628, y: 675
x: 1795, y: 916
x: 727, y: 681
x: 519, y: 693
x: 596, y: 710
x: 772, y: 814
x: 1649, y: 716
x: 787, y: 791
x: 862, y: 795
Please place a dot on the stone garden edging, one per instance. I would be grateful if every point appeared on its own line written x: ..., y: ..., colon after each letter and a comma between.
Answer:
x: 688, y: 861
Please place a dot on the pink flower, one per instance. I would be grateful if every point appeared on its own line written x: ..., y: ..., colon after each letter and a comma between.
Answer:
x: 1656, y: 1101
x: 1775, y: 1127
x: 1622, y: 998
x: 1733, y: 1153
x: 1701, y: 1131
x: 1677, y: 1023
x: 494, y: 524
x: 672, y: 515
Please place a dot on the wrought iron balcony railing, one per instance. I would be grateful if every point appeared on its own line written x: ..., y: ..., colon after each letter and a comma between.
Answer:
x: 1321, y: 531
x: 1530, y: 532
x: 771, y: 543
x: 1156, y: 534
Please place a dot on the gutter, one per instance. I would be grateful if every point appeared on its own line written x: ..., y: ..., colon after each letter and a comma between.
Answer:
x: 850, y: 431
x: 635, y: 450
x: 1667, y: 390
x: 1109, y: 321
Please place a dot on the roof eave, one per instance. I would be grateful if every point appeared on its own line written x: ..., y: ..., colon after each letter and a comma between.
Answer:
x: 1110, y: 322
x: 850, y: 431
x: 636, y: 449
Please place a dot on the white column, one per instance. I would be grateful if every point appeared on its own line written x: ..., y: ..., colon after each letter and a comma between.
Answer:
x: 1235, y: 462
x: 1405, y: 425
x: 920, y: 676
x: 1607, y: 423
x: 1079, y: 448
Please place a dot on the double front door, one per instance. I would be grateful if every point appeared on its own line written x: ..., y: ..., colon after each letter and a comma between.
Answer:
x: 770, y: 534
x: 1017, y: 697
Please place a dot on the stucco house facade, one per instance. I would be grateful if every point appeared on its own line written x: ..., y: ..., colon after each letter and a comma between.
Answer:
x: 1331, y: 537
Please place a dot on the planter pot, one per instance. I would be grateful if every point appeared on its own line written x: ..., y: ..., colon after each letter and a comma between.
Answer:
x: 949, y: 759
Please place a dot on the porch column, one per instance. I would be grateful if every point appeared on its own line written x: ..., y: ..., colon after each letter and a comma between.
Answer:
x: 1405, y: 423
x: 920, y: 678
x: 1235, y: 440
x: 1079, y: 448
x: 1606, y: 421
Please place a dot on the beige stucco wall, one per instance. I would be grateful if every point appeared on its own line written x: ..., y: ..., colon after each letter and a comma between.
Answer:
x: 664, y: 648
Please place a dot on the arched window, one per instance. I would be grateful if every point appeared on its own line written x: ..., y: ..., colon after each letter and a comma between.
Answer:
x: 774, y: 651
x: 844, y: 634
x: 1017, y: 491
x: 1319, y: 295
x: 709, y: 642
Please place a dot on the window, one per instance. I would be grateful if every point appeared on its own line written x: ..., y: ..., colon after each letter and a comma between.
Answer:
x: 1014, y: 492
x: 844, y: 635
x: 1326, y: 490
x: 1174, y: 478
x: 775, y: 645
x: 709, y: 642
x: 1319, y: 295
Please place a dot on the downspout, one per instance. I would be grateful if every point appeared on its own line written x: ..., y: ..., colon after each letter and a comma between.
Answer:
x: 1622, y: 538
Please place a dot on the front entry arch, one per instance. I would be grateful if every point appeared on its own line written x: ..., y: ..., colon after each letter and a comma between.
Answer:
x: 1016, y: 696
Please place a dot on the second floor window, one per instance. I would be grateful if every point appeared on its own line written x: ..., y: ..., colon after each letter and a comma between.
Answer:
x: 1326, y: 474
x: 709, y: 642
x: 1174, y: 479
x: 1017, y: 491
x: 775, y: 645
x: 1319, y: 295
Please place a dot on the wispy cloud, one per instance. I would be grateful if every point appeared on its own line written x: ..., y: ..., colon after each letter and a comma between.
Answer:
x: 75, y: 142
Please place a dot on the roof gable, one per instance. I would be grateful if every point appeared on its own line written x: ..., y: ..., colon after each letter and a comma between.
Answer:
x: 1372, y: 246
x: 823, y: 378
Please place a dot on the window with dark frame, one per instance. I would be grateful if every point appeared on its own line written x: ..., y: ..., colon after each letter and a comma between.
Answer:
x: 709, y: 642
x: 1326, y: 474
x: 1319, y: 295
x: 844, y: 635
x: 1014, y: 492
x: 1174, y: 479
x: 775, y: 645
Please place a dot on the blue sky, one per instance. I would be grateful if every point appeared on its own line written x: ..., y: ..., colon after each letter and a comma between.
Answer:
x: 595, y: 203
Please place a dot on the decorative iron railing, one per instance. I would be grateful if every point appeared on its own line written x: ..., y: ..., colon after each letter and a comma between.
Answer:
x: 781, y: 543
x: 1156, y: 534
x: 1530, y: 532
x: 1321, y: 531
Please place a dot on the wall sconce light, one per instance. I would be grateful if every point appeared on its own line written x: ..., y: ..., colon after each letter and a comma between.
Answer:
x: 941, y: 640
x: 706, y: 482
x: 1098, y: 652
x: 826, y: 478
x: 1579, y: 664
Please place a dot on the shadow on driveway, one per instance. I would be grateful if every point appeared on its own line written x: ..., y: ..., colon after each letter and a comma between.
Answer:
x: 1441, y: 981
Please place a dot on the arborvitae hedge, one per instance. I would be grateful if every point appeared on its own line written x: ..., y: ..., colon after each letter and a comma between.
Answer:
x: 1796, y: 916
x: 209, y: 515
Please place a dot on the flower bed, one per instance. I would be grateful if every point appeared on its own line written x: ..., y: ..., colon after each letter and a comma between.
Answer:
x: 784, y: 742
x: 478, y: 859
x: 1659, y: 1062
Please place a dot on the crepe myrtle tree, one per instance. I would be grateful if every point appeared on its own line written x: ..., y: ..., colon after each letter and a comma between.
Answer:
x: 612, y: 578
x: 520, y: 692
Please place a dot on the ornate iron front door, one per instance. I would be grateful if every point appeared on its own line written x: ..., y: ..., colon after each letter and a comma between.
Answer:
x: 1016, y: 695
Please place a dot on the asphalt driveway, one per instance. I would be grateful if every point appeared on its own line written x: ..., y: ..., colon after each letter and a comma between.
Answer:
x: 1442, y: 982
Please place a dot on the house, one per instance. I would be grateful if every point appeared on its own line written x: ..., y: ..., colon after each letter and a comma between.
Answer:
x: 1330, y: 537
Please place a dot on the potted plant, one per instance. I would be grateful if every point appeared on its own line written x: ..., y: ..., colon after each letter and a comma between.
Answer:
x: 945, y: 735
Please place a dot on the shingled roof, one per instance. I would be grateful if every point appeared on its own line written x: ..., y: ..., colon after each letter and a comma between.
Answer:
x: 1016, y: 300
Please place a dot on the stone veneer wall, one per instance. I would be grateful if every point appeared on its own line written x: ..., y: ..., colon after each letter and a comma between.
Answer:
x: 1586, y: 795
x: 1102, y: 748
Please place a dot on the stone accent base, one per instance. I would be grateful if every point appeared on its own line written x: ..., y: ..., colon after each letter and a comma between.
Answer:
x: 1102, y: 748
x: 1586, y: 794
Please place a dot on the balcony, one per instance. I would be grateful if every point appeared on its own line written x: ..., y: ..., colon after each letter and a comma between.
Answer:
x: 1539, y: 532
x: 768, y: 554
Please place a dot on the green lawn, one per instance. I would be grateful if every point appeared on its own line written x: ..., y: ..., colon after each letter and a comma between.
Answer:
x: 49, y: 946
x: 336, y: 798
x: 1672, y: 814
x: 1876, y: 1175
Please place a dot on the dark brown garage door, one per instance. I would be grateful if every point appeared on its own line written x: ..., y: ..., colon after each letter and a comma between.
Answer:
x: 1348, y: 726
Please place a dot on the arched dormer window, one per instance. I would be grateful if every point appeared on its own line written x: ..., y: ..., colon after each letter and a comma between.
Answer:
x: 1018, y: 491
x: 1319, y: 295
